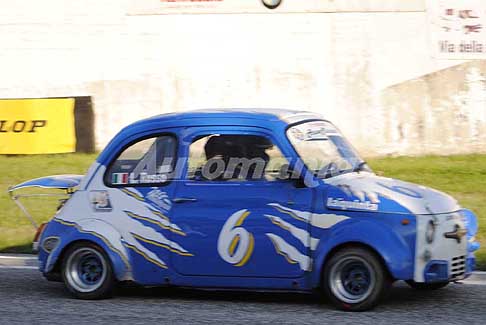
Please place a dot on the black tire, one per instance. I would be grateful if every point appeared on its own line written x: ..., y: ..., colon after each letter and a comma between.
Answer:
x: 87, y: 272
x: 427, y: 286
x: 355, y: 279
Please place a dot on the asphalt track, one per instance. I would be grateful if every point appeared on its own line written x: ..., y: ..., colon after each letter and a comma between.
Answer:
x: 26, y: 298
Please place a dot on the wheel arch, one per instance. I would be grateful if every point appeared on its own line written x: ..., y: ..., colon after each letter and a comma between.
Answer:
x: 105, y: 237
x: 56, y: 268
x: 348, y: 245
x: 392, y: 250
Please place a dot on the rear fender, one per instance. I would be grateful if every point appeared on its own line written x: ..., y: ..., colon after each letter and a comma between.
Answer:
x: 93, y: 230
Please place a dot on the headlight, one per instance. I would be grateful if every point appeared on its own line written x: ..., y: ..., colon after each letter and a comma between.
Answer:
x: 470, y: 222
x: 430, y: 232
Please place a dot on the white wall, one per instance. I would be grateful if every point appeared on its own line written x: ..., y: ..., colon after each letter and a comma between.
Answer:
x: 359, y: 69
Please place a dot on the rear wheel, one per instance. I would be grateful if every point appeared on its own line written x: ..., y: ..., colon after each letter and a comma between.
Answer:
x: 87, y: 272
x: 427, y: 286
x: 355, y: 279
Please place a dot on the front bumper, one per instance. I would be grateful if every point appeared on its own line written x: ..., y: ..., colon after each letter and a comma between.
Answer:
x: 457, y: 269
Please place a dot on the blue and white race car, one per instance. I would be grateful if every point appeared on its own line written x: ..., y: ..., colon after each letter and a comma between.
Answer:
x: 242, y: 199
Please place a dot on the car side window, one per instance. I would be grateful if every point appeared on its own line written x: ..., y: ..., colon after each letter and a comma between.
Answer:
x: 219, y: 157
x: 146, y: 162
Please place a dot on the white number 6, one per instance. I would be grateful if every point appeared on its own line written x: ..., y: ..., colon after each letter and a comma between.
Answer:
x: 235, y: 243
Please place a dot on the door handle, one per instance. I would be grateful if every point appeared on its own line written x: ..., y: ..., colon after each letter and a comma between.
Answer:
x: 184, y: 199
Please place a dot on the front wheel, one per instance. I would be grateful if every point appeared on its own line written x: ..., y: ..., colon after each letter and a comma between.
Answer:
x: 355, y: 279
x: 87, y: 272
x: 427, y: 286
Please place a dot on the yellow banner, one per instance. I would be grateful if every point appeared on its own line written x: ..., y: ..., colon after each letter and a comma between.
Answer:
x: 37, y: 126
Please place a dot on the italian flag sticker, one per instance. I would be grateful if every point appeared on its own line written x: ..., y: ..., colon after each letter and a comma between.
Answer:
x: 119, y: 178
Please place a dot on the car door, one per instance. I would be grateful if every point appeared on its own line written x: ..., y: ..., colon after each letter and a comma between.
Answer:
x: 245, y: 224
x: 140, y: 192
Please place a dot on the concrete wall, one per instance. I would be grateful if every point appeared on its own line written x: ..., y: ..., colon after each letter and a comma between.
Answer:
x: 370, y: 72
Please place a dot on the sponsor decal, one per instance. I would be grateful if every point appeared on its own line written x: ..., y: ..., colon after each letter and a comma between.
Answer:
x: 342, y: 204
x: 18, y: 126
x: 143, y: 178
x: 148, y: 179
x: 37, y: 126
x: 313, y: 131
x: 100, y: 201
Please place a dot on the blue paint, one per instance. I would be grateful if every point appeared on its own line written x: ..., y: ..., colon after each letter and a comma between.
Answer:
x: 69, y: 233
x: 265, y: 211
x: 394, y: 242
x: 266, y: 119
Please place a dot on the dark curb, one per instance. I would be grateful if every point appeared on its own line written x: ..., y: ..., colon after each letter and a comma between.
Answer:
x: 18, y: 261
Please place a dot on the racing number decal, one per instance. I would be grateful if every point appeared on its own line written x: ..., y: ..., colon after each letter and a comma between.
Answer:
x: 235, y: 243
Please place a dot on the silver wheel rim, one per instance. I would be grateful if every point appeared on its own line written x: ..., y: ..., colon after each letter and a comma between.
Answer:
x: 85, y: 270
x: 352, y: 279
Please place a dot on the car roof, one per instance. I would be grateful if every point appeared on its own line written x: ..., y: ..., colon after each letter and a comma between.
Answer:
x: 265, y: 118
x: 273, y: 119
x: 190, y: 118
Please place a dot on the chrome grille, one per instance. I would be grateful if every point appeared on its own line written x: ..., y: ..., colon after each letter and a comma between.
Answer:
x: 458, y: 267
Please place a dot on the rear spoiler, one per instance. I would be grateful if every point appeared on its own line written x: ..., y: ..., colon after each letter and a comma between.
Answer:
x: 61, y: 182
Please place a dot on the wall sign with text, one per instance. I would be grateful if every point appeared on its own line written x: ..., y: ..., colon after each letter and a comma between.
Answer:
x: 46, y: 125
x: 457, y: 28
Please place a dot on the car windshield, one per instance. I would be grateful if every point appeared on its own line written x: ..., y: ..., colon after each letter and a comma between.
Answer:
x: 324, y: 150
